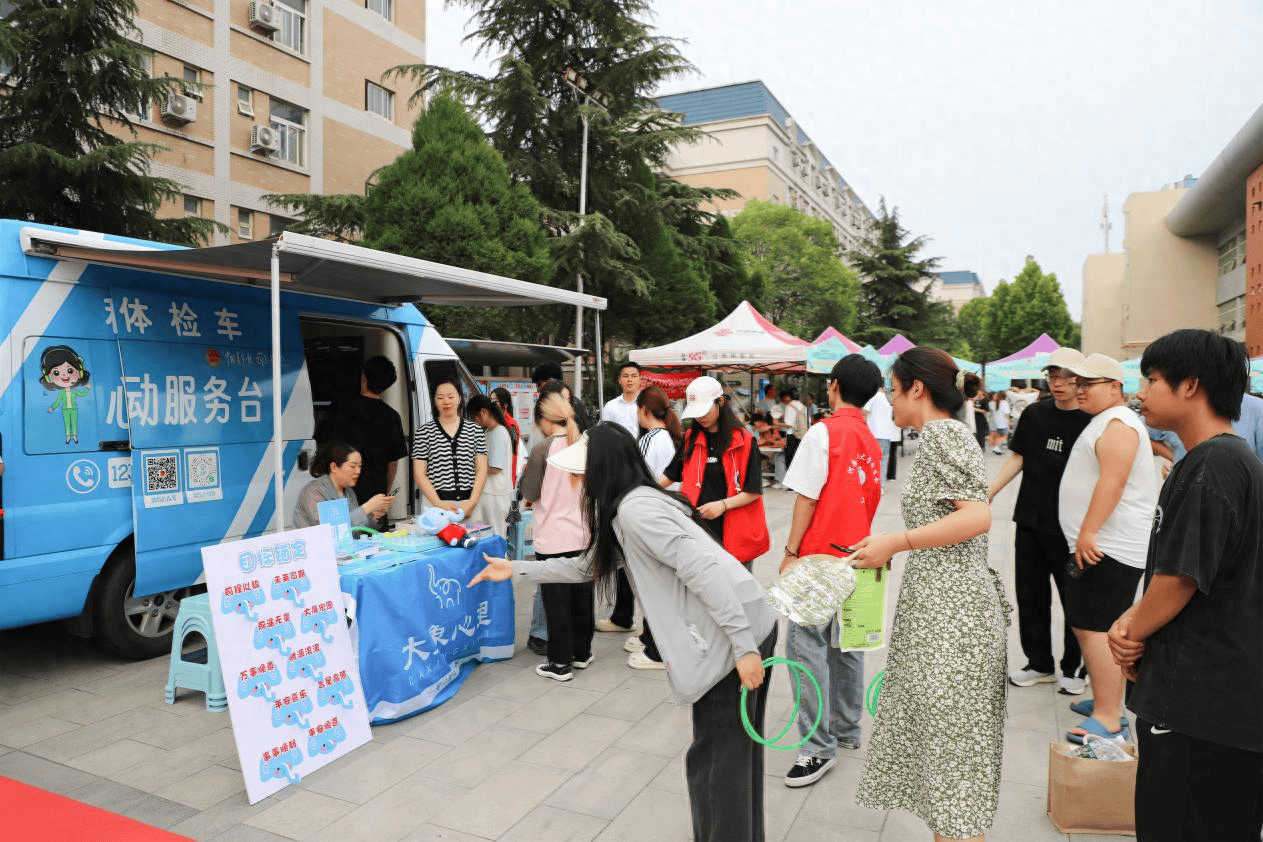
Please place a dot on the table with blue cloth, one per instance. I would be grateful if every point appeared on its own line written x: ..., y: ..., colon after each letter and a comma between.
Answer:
x: 418, y: 630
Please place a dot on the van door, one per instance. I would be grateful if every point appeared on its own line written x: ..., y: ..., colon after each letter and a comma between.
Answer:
x: 197, y: 379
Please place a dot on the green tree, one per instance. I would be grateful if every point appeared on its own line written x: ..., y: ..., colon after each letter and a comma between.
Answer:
x: 971, y: 323
x: 730, y: 283
x: 1033, y: 304
x: 894, y: 298
x: 450, y: 199
x: 681, y: 302
x: 336, y: 216
x: 808, y: 287
x: 77, y: 75
x: 535, y: 119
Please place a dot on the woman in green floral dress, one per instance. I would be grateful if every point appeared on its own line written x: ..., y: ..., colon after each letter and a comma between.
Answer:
x: 938, y: 740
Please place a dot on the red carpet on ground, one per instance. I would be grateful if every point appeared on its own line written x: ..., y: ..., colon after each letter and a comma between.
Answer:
x: 30, y: 813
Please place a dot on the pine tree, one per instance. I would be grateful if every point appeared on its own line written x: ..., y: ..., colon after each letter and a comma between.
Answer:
x: 730, y: 283
x: 535, y: 119
x: 77, y: 78
x: 894, y: 297
x: 449, y: 199
x: 679, y: 302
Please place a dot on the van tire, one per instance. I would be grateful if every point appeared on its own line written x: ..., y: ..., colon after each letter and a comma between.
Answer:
x: 130, y: 627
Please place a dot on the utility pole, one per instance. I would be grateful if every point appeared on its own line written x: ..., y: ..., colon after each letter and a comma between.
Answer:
x: 579, y: 84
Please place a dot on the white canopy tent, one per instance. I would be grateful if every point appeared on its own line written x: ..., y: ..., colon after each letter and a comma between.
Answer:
x: 743, y: 341
x: 314, y: 266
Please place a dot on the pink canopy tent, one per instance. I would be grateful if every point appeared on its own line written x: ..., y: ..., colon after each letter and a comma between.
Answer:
x: 897, y: 345
x: 1045, y: 344
x: 834, y: 333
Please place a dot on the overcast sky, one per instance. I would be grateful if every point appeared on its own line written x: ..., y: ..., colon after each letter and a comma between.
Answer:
x: 997, y: 127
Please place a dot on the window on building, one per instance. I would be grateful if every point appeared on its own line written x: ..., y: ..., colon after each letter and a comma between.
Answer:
x: 192, y: 205
x: 192, y: 74
x: 277, y: 224
x: 1232, y: 317
x: 245, y: 224
x: 379, y: 101
x: 144, y: 115
x: 292, y: 16
x: 290, y: 122
x: 1232, y: 254
x: 385, y: 8
x: 245, y: 101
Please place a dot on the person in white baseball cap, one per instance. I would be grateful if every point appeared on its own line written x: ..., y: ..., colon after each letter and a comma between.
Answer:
x: 1038, y: 451
x: 720, y: 471
x: 700, y: 396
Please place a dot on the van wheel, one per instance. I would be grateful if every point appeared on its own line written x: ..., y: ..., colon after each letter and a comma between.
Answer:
x: 129, y: 626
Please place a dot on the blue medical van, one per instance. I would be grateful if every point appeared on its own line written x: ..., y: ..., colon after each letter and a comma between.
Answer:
x: 136, y: 403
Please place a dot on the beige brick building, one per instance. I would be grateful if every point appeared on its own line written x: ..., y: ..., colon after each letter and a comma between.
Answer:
x: 294, y: 102
x: 756, y: 148
x: 1192, y: 257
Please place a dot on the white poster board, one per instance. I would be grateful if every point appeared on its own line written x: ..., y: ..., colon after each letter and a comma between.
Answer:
x: 523, y: 394
x: 293, y: 685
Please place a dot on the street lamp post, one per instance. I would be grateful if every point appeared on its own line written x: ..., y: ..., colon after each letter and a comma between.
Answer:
x: 579, y: 84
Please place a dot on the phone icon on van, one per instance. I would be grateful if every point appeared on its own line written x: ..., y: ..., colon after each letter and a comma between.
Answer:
x: 83, y: 476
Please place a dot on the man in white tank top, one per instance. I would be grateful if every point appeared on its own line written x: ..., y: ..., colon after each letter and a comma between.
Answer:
x: 1106, y: 503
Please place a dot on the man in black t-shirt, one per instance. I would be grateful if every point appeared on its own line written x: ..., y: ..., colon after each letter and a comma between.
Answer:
x: 1038, y: 450
x: 372, y: 427
x: 1192, y: 645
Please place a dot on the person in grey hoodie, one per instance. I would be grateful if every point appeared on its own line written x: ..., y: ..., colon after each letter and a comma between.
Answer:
x: 711, y: 620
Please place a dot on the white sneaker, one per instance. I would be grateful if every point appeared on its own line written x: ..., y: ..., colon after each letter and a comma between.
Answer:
x: 604, y: 625
x: 1071, y: 685
x: 641, y: 661
x: 1027, y: 677
x: 633, y: 644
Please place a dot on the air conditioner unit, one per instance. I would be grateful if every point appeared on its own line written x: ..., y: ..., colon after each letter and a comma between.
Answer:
x: 264, y: 16
x: 264, y: 139
x: 179, y: 108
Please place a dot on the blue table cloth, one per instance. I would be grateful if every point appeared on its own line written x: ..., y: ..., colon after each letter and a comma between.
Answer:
x: 419, y: 631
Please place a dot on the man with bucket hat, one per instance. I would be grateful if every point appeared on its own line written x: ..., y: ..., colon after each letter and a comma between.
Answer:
x: 1106, y: 503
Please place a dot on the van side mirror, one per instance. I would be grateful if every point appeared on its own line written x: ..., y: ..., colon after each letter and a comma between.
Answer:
x: 303, y: 460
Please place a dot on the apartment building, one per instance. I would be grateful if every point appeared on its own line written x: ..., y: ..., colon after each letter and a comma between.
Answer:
x: 757, y: 149
x: 294, y: 100
x: 956, y: 288
x: 1192, y: 257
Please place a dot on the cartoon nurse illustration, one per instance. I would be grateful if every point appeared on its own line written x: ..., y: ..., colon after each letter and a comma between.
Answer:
x: 62, y: 371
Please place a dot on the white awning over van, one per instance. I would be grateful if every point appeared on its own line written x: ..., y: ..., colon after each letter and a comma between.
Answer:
x: 316, y: 266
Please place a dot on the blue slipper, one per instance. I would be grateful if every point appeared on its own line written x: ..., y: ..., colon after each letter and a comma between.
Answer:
x: 1096, y: 729
x: 1083, y: 707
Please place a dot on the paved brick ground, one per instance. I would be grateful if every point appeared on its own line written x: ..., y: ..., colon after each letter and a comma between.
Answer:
x: 514, y: 757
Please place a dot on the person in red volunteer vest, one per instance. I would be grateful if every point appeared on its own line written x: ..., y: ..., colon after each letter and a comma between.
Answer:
x: 836, y: 475
x: 719, y: 471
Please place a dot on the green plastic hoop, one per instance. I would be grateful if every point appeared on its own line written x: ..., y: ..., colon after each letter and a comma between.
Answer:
x: 874, y: 690
x: 795, y: 669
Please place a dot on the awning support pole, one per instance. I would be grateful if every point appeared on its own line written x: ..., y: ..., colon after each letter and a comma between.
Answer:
x: 278, y: 443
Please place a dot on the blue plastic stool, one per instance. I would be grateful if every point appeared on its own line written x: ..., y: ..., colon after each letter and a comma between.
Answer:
x: 203, y: 672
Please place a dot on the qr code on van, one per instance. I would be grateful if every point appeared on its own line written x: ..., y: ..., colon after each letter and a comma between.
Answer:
x: 204, y: 469
x: 161, y: 474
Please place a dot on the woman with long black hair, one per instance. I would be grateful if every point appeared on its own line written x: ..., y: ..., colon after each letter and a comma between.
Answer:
x: 710, y: 617
x: 720, y: 471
